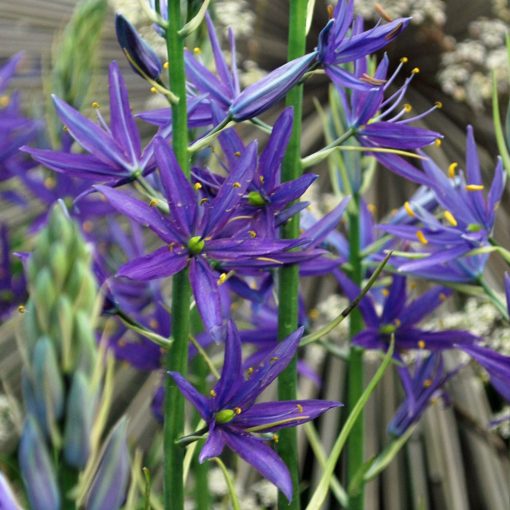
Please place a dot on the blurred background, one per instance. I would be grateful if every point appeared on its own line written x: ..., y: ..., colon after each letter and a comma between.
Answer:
x: 452, y: 461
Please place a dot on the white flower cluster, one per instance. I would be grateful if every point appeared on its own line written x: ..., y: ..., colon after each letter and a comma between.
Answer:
x: 420, y: 10
x: 466, y: 71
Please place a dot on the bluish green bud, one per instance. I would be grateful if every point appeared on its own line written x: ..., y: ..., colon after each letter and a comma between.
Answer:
x: 62, y: 329
x: 86, y: 298
x: 108, y: 489
x: 84, y: 344
x: 47, y: 381
x: 37, y: 469
x: 75, y: 280
x: 196, y: 245
x: 59, y: 263
x: 79, y: 418
x: 44, y: 296
x: 40, y: 255
x: 60, y: 228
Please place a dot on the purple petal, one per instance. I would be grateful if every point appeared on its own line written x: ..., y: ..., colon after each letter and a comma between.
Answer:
x: 219, y: 58
x: 198, y: 400
x: 398, y: 136
x: 214, y: 444
x: 122, y: 122
x: 396, y: 299
x: 157, y: 264
x: 259, y: 455
x: 291, y: 190
x: 204, y: 282
x: 416, y: 311
x: 283, y: 414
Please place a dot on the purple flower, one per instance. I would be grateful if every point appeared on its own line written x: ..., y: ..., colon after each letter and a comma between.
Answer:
x: 233, y: 417
x: 400, y: 317
x: 194, y: 233
x: 465, y: 224
x: 115, y: 153
x: 337, y: 46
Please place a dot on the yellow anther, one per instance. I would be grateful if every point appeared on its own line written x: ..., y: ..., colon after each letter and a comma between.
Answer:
x: 438, y: 142
x: 237, y: 153
x: 203, y: 201
x: 50, y: 182
x: 153, y: 323
x: 314, y: 314
x: 451, y: 169
x: 299, y: 408
x: 421, y: 237
x: 165, y: 65
x: 197, y: 51
x: 276, y: 438
x: 385, y: 292
x: 236, y: 184
x: 250, y: 371
x: 427, y: 383
x: 4, y: 101
x: 397, y: 322
x: 443, y: 296
x: 372, y: 208
x: 122, y: 343
x: 438, y: 104
x: 95, y: 105
x: 330, y: 11
x: 416, y: 70
x: 171, y: 246
x: 87, y: 226
x: 421, y: 344
x: 252, y: 234
x: 222, y: 279
x: 450, y: 218
x: 153, y: 202
x: 153, y: 90
x: 197, y: 186
x: 474, y: 187
x: 261, y: 179
x: 404, y: 60
x: 238, y: 410
x: 212, y: 393
x: 409, y: 209
x: 408, y: 108
x: 65, y: 128
x: 22, y: 309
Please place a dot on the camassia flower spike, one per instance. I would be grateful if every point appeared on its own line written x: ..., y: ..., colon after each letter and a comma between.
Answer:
x: 115, y: 153
x: 233, y: 418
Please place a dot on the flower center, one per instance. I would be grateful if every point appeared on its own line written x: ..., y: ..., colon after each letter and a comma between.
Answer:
x: 255, y: 198
x: 387, y: 329
x: 227, y: 415
x: 196, y: 245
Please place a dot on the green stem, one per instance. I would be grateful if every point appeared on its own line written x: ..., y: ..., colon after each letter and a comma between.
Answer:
x: 177, y: 358
x: 355, y: 370
x: 496, y: 301
x: 289, y: 276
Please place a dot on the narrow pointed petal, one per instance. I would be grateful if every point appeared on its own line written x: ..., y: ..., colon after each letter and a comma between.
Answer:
x: 7, y: 498
x: 416, y: 311
x: 400, y: 166
x: 436, y: 258
x: 292, y: 190
x: 122, y: 123
x: 90, y: 136
x: 266, y: 92
x: 158, y: 264
x: 399, y: 136
x: 259, y: 455
x: 268, y: 371
x: 139, y: 212
x: 396, y: 299
x: 495, y: 193
x: 232, y: 371
x: 8, y: 70
x: 182, y: 199
x: 198, y: 400
x: 214, y: 444
x: 219, y: 59
x: 345, y: 80
x: 204, y: 282
x: 283, y: 414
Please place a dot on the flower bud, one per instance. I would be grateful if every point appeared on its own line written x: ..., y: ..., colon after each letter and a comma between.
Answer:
x: 80, y: 412
x: 43, y: 297
x: 140, y: 55
x: 108, y: 489
x: 37, y: 469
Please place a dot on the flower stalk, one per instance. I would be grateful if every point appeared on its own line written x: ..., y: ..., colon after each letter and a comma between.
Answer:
x: 289, y: 275
x: 177, y: 357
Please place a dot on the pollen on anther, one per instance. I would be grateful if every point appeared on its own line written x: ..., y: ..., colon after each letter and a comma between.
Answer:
x: 95, y: 105
x: 474, y: 187
x: 450, y: 218
x: 238, y: 410
x: 276, y: 438
x: 408, y: 108
x: 314, y: 314
x: 236, y: 184
x: 427, y: 383
x: 385, y: 292
x: 252, y: 234
x: 372, y: 208
x: 250, y: 371
x: 166, y: 65
x: 404, y: 60
x: 409, y: 210
x: 273, y: 359
x: 397, y: 322
x: 50, y: 182
x: 261, y: 179
x: 4, y: 101
x: 421, y: 237
x: 438, y: 142
x: 379, y: 9
x: 330, y: 11
x: 22, y: 309
x: 222, y: 279
x: 212, y: 393
x: 443, y: 296
x: 197, y: 186
x: 415, y: 70
x: 421, y: 344
x: 299, y: 408
x: 438, y: 105
x: 153, y: 202
x: 451, y: 169
x: 153, y: 90
x: 87, y: 226
x: 203, y: 201
x: 197, y: 51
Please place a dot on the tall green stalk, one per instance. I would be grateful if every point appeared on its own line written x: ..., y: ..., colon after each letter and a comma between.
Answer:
x: 289, y: 276
x: 177, y: 357
x: 355, y: 370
